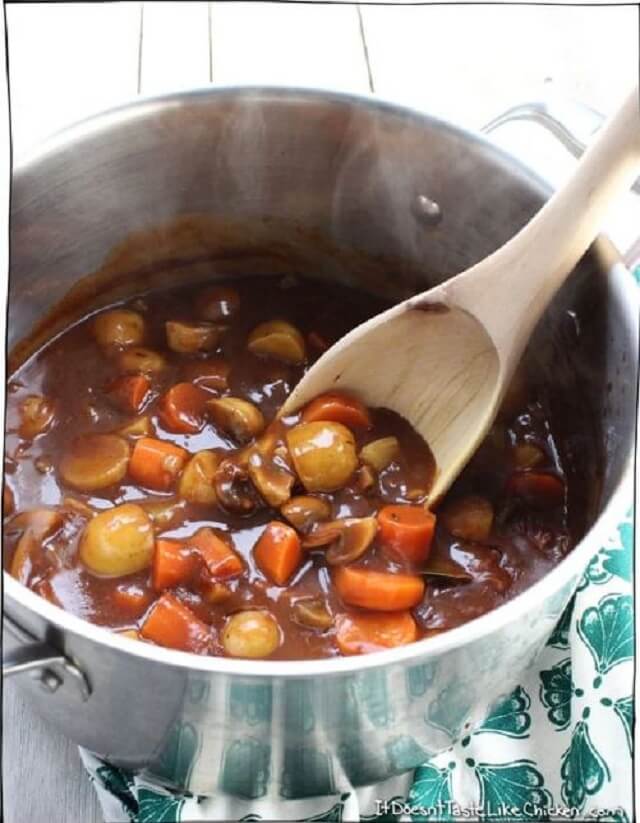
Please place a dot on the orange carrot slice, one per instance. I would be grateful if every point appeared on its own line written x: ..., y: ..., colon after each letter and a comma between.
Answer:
x: 173, y: 564
x: 156, y: 464
x: 131, y: 598
x: 337, y: 408
x: 364, y: 633
x: 278, y: 552
x: 170, y: 623
x: 129, y: 392
x: 379, y: 591
x: 183, y: 408
x: 220, y: 559
x: 406, y: 532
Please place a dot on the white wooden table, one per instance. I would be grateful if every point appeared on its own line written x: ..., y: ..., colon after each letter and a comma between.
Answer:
x: 464, y: 63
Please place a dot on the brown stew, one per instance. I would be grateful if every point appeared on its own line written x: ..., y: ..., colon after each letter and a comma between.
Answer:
x: 150, y: 489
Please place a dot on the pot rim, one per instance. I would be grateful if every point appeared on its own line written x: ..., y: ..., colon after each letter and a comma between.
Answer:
x: 422, y: 650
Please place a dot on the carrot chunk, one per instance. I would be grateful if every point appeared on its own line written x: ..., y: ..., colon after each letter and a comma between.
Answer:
x: 183, y: 408
x: 337, y: 408
x: 536, y: 488
x: 129, y: 392
x: 364, y: 633
x: 278, y: 552
x: 220, y: 559
x: 173, y: 564
x: 406, y: 532
x: 156, y: 464
x: 131, y: 598
x: 379, y: 591
x: 170, y: 623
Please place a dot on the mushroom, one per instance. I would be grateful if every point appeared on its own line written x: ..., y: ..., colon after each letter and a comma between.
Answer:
x: 270, y: 469
x: 233, y: 490
x: 305, y: 511
x: 196, y: 482
x: 278, y: 339
x: 236, y: 417
x: 212, y: 374
x: 139, y: 359
x: 312, y: 613
x: 380, y: 453
x: 347, y: 538
x: 166, y: 513
x: 119, y: 327
x: 37, y: 414
x: 191, y: 338
x: 34, y: 527
x: 217, y: 303
x: 138, y: 427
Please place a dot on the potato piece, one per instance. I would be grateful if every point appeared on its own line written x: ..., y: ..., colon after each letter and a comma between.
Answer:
x: 253, y: 633
x: 279, y: 340
x: 380, y: 453
x: 139, y: 359
x: 323, y: 454
x: 37, y: 414
x: 312, y: 613
x: 304, y: 511
x: 118, y: 541
x: 236, y: 417
x: 131, y: 634
x: 469, y: 518
x: 217, y: 303
x: 191, y: 338
x: 165, y: 514
x: 527, y: 456
x: 119, y: 327
x: 95, y: 461
x: 196, y: 482
x: 138, y: 427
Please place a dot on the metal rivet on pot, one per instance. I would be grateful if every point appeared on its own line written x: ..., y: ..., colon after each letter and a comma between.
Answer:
x: 50, y: 681
x: 427, y: 211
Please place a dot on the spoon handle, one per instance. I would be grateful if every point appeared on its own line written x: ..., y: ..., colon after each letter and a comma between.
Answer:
x: 509, y: 290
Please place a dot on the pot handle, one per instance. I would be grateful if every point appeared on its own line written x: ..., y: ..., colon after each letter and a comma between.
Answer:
x: 37, y: 657
x: 573, y: 124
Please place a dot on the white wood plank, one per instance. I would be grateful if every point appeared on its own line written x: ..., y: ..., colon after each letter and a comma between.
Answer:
x: 175, y: 46
x: 43, y: 778
x: 67, y: 61
x: 468, y: 63
x: 279, y: 43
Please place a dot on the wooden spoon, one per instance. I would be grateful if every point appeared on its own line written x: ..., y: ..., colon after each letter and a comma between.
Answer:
x: 444, y: 358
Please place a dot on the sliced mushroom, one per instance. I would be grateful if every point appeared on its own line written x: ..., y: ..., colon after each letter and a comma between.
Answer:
x: 191, y: 338
x: 35, y: 527
x: 138, y: 427
x: 215, y: 593
x: 278, y: 339
x: 119, y: 327
x: 79, y: 507
x: 234, y: 491
x: 527, y: 456
x: 236, y: 417
x: 139, y: 359
x: 380, y: 453
x: 304, y: 512
x: 469, y: 518
x: 270, y: 469
x: 445, y: 567
x: 323, y: 454
x: 165, y: 514
x: 196, y: 482
x: 8, y: 500
x: 347, y: 538
x: 312, y: 613
x: 95, y: 461
x: 365, y: 478
x: 217, y: 303
x: 37, y: 414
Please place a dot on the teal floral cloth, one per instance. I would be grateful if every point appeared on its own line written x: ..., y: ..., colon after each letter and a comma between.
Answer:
x: 558, y: 747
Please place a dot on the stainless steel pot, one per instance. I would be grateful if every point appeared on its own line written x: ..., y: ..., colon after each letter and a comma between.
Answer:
x: 344, y: 187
